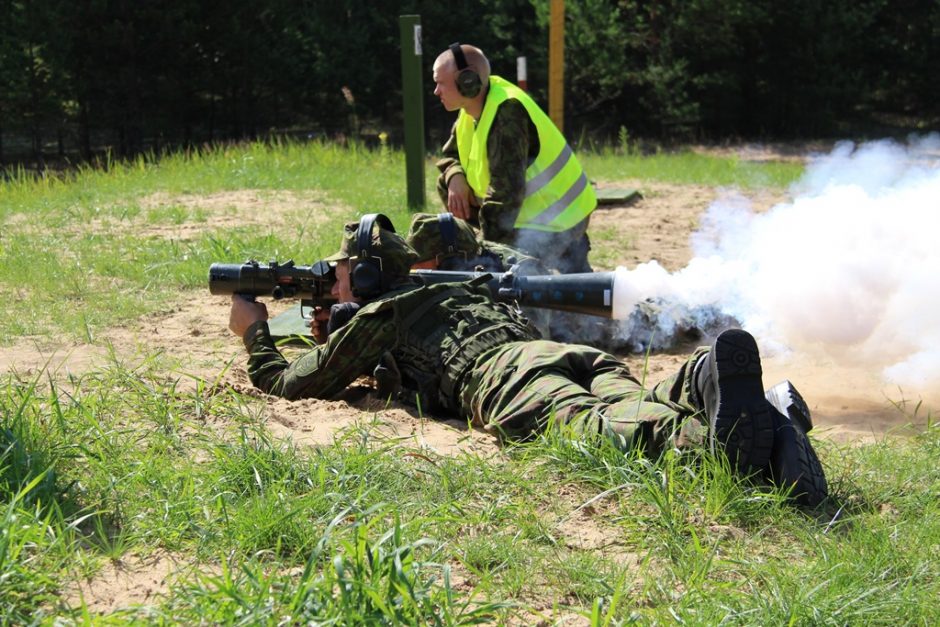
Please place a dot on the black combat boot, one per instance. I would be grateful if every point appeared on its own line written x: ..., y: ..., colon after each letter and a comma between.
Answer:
x: 793, y: 462
x: 729, y: 389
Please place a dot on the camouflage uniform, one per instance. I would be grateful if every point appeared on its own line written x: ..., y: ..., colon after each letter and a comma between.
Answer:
x: 511, y: 145
x: 450, y: 348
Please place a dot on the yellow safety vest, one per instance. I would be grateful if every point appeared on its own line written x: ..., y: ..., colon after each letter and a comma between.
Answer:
x: 557, y: 193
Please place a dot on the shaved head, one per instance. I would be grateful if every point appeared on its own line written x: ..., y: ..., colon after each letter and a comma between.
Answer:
x: 476, y: 61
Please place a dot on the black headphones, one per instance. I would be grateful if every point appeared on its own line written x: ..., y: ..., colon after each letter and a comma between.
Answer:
x: 366, y: 277
x: 448, y: 228
x: 468, y: 81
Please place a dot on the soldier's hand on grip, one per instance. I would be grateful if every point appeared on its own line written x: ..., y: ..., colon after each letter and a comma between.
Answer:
x: 319, y: 324
x: 244, y: 313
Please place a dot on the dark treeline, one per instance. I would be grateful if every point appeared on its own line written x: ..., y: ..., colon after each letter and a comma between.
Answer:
x: 81, y: 76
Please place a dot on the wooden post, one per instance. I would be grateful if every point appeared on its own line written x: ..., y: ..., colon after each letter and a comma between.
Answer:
x: 412, y: 93
x: 556, y: 64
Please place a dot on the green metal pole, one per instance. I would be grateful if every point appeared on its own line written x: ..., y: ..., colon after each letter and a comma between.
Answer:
x: 413, y: 96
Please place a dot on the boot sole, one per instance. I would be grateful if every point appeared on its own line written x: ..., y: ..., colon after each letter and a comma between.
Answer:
x: 794, y: 464
x: 744, y: 422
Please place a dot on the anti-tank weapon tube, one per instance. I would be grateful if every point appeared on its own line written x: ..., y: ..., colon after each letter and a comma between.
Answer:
x: 604, y: 294
x: 591, y: 293
x: 594, y: 293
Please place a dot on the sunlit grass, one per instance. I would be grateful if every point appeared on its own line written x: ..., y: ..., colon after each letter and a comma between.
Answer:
x: 124, y: 459
x: 133, y: 457
x: 687, y: 167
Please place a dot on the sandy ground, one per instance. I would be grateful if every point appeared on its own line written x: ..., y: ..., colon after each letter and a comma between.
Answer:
x: 848, y: 406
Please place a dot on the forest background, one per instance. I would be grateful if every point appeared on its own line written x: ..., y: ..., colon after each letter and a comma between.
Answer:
x: 84, y: 78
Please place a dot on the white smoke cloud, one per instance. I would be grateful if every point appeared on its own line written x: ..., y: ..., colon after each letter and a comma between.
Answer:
x: 849, y: 269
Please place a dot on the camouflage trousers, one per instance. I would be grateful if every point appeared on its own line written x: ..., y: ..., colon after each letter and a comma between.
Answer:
x: 522, y: 388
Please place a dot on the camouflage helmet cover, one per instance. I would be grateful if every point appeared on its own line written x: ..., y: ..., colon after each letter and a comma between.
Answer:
x: 396, y: 255
x: 426, y: 238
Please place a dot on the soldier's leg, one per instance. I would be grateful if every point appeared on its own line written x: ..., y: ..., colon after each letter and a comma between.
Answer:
x: 582, y: 387
x: 716, y: 392
x: 677, y: 390
x: 793, y: 462
x: 716, y: 396
x: 720, y: 388
x: 524, y: 386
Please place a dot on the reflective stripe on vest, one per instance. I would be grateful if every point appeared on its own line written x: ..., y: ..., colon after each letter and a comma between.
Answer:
x: 557, y: 194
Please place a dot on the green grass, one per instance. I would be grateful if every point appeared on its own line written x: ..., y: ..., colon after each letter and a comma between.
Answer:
x: 124, y: 459
x: 687, y: 167
x: 73, y: 260
x: 133, y: 458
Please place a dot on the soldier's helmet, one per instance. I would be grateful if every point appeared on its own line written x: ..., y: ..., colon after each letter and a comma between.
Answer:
x: 395, y: 254
x: 441, y: 235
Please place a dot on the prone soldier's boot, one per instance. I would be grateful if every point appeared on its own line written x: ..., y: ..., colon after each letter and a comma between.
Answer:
x: 793, y: 462
x: 788, y: 401
x: 728, y: 387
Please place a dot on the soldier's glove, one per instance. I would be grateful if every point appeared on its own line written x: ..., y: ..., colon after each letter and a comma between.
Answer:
x: 387, y: 377
x: 340, y: 314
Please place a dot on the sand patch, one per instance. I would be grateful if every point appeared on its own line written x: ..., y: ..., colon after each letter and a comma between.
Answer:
x: 191, y: 215
x: 186, y: 217
x: 658, y: 225
x: 129, y: 582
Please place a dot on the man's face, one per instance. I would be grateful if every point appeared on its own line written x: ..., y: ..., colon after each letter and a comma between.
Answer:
x: 342, y: 289
x: 445, y: 86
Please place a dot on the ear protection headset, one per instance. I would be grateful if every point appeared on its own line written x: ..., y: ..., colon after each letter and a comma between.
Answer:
x: 468, y: 81
x: 367, y: 280
x: 445, y: 222
x: 451, y: 258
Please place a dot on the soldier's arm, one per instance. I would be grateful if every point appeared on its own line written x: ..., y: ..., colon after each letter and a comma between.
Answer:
x: 508, y: 148
x: 449, y: 163
x: 325, y: 370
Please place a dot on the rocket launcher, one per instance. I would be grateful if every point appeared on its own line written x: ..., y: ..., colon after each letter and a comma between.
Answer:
x: 604, y: 294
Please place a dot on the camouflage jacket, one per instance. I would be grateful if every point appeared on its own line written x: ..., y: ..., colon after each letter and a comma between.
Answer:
x: 512, y: 144
x: 428, y: 336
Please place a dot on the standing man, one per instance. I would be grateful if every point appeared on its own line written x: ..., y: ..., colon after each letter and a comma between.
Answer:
x: 508, y: 167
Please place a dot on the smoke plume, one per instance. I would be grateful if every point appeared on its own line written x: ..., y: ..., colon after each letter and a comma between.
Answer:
x: 850, y: 269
